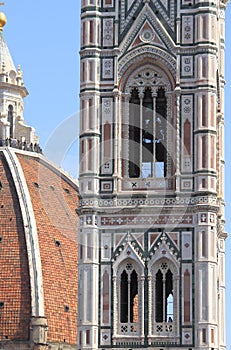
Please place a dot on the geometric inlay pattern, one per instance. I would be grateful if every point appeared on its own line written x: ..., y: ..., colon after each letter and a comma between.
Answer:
x: 130, y: 202
x: 130, y: 9
x: 146, y: 220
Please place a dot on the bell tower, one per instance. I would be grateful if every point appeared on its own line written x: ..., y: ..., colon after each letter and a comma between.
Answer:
x: 151, y: 228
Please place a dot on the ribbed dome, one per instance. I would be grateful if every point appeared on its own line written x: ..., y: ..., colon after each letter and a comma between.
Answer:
x: 38, y: 242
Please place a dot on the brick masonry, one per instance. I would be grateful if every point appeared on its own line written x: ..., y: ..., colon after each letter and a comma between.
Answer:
x: 54, y: 199
x: 15, y: 310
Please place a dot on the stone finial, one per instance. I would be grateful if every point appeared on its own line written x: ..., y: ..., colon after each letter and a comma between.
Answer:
x: 3, y: 20
x: 19, y: 72
x: 19, y: 76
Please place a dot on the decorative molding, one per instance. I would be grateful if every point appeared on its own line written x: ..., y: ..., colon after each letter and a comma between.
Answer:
x: 146, y: 53
x: 147, y: 76
x: 144, y: 220
x: 157, y: 28
x: 167, y: 12
x: 167, y: 9
x: 147, y: 202
x: 106, y: 186
x: 187, y: 29
x: 108, y: 32
x: 125, y: 18
x: 187, y: 66
x: 107, y: 68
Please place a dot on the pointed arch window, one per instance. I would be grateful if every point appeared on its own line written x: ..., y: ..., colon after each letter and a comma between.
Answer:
x: 164, y: 296
x: 124, y: 297
x: 165, y: 289
x: 129, y: 297
x: 129, y: 288
x: 147, y: 133
x: 159, y: 297
x: 134, y: 135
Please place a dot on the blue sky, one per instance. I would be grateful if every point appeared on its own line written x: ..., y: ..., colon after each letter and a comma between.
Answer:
x: 43, y: 38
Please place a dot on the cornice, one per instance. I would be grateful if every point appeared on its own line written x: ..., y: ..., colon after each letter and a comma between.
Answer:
x: 11, y: 87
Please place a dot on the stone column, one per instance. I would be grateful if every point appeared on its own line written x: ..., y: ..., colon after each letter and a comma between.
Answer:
x: 154, y: 94
x: 142, y: 335
x: 177, y: 175
x: 150, y: 308
x: 125, y: 141
x: 115, y: 308
x: 141, y: 96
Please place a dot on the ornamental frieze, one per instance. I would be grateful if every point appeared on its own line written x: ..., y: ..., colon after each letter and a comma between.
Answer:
x: 146, y: 220
x: 133, y: 202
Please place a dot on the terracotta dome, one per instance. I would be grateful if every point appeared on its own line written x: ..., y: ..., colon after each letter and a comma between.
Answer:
x: 38, y: 242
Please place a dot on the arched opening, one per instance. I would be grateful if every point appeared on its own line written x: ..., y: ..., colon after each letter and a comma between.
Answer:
x: 147, y: 135
x: 128, y: 313
x: 160, y: 135
x: 164, y: 296
x: 134, y: 135
x: 134, y: 298
x: 170, y: 308
x: 165, y: 299
x: 169, y: 297
x: 129, y: 297
x: 124, y: 298
x: 147, y: 131
x: 159, y: 296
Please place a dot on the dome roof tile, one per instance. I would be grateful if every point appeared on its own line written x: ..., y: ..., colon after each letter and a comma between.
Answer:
x: 56, y: 221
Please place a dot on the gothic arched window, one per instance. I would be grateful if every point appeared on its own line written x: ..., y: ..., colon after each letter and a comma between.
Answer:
x: 164, y: 291
x: 128, y: 286
x: 129, y: 297
x: 160, y: 133
x: 164, y: 296
x: 134, y: 135
x: 124, y: 297
x: 147, y: 135
x: 147, y: 132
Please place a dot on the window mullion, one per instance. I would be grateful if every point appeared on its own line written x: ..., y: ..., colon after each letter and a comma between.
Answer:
x: 151, y: 303
x: 129, y: 298
x: 116, y: 305
x: 164, y: 297
x: 142, y: 281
